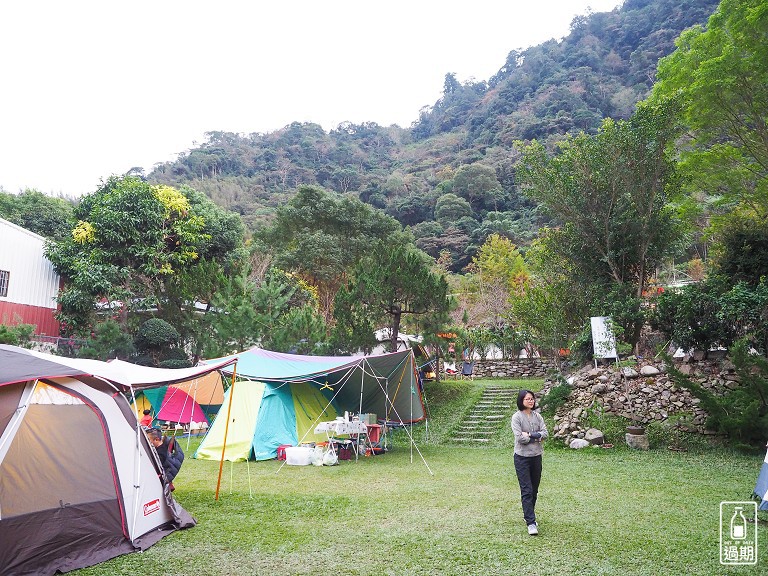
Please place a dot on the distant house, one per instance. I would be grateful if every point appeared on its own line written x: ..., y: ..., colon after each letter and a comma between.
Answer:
x: 28, y: 283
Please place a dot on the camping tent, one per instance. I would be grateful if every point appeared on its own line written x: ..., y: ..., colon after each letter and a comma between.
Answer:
x: 280, y: 398
x: 196, y: 399
x: 761, y: 487
x: 79, y: 483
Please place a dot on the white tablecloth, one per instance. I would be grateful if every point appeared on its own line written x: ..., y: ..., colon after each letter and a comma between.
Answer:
x: 338, y: 427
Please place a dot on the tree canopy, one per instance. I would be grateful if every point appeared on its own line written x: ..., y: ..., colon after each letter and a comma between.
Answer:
x: 390, y: 283
x: 320, y: 235
x: 132, y: 241
x: 611, y: 193
x: 721, y: 75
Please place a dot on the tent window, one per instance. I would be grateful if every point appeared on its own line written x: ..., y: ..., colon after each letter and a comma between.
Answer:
x: 5, y: 275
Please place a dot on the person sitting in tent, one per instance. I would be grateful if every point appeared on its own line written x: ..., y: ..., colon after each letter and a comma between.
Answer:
x: 146, y: 420
x: 169, y: 452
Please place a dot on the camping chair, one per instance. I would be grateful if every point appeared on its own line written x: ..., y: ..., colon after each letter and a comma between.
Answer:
x: 467, y: 370
x: 450, y: 370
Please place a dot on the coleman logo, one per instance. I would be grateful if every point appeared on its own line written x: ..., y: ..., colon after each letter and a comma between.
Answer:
x: 152, y: 506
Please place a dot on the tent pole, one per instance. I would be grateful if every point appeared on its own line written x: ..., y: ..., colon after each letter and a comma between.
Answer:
x: 194, y: 401
x: 410, y: 406
x: 136, y: 483
x: 226, y: 429
x: 407, y: 431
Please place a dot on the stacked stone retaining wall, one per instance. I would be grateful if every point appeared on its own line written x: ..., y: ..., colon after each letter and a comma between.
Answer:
x: 514, y: 368
x: 642, y: 394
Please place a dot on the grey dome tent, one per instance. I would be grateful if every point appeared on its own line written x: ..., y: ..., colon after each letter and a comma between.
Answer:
x: 79, y: 483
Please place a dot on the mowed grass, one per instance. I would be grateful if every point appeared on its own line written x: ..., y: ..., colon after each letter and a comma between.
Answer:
x: 600, y: 512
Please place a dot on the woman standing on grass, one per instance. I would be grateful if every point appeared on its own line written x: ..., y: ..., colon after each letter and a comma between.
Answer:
x: 529, y: 429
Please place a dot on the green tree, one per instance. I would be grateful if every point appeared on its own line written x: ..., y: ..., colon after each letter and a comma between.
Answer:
x: 320, y: 235
x: 477, y: 183
x: 276, y: 312
x: 129, y: 249
x: 44, y: 215
x: 108, y: 341
x: 451, y: 208
x: 721, y: 75
x: 611, y: 192
x: 496, y: 275
x: 389, y: 284
x: 155, y: 341
x: 741, y: 251
x: 551, y: 309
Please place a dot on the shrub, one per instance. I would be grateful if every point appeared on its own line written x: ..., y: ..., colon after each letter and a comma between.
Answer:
x: 107, y: 341
x: 740, y: 414
x: 18, y: 335
x: 556, y: 397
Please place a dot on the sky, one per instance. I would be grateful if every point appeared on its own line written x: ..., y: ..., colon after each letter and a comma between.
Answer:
x: 95, y: 88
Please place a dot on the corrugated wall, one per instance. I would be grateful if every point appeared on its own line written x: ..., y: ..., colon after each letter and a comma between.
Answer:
x: 33, y: 283
x: 12, y: 314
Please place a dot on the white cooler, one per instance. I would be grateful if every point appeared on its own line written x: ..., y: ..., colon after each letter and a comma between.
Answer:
x: 298, y: 455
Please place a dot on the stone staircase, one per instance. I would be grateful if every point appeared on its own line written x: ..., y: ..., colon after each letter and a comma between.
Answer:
x: 492, y: 412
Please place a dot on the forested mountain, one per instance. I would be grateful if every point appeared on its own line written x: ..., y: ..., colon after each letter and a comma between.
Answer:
x: 450, y: 176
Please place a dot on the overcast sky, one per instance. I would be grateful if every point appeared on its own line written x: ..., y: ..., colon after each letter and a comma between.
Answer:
x: 94, y: 88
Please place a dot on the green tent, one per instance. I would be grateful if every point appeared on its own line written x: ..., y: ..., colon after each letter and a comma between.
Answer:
x: 279, y: 399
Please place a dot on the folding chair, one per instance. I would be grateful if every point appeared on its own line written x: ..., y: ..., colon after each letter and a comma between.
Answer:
x: 467, y: 370
x: 450, y: 370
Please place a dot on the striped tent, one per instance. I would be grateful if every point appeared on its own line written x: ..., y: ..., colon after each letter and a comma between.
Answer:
x: 280, y: 398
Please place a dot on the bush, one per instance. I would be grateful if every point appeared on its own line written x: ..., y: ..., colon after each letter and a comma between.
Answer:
x: 108, y: 341
x: 156, y: 334
x: 18, y: 335
x: 555, y: 398
x: 712, y: 313
x: 741, y: 414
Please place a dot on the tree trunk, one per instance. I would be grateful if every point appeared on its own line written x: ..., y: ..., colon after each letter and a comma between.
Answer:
x: 395, y: 312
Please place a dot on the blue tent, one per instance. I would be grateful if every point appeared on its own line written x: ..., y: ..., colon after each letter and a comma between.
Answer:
x: 761, y: 487
x: 280, y: 398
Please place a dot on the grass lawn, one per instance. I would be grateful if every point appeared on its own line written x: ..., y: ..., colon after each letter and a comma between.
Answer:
x: 600, y: 512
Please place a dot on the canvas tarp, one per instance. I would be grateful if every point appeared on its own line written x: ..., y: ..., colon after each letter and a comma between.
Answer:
x: 280, y: 398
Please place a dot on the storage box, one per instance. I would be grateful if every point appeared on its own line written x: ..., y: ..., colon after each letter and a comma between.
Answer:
x: 281, y: 451
x: 368, y: 418
x: 298, y: 455
x: 374, y: 433
x: 343, y: 450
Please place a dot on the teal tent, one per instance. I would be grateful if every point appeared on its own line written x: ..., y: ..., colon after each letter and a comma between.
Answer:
x: 278, y: 399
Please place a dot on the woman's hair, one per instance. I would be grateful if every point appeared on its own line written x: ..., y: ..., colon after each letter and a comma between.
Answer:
x: 521, y: 395
x: 147, y: 412
x: 155, y: 433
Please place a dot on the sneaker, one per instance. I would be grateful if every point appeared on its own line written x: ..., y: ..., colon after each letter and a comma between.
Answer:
x: 533, y: 529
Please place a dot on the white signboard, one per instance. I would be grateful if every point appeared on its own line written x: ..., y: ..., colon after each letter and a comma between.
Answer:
x: 603, y: 340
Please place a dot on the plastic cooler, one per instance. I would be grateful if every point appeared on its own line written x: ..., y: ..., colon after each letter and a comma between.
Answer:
x: 298, y: 455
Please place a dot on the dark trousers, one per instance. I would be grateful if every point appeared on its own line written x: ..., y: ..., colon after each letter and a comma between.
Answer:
x: 528, y: 470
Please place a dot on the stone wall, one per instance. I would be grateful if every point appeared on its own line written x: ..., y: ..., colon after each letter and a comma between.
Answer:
x: 643, y: 395
x: 514, y: 368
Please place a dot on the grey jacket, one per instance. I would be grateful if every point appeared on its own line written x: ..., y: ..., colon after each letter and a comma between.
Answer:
x: 521, y: 422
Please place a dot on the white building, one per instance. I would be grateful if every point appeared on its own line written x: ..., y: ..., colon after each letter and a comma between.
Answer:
x: 28, y: 283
